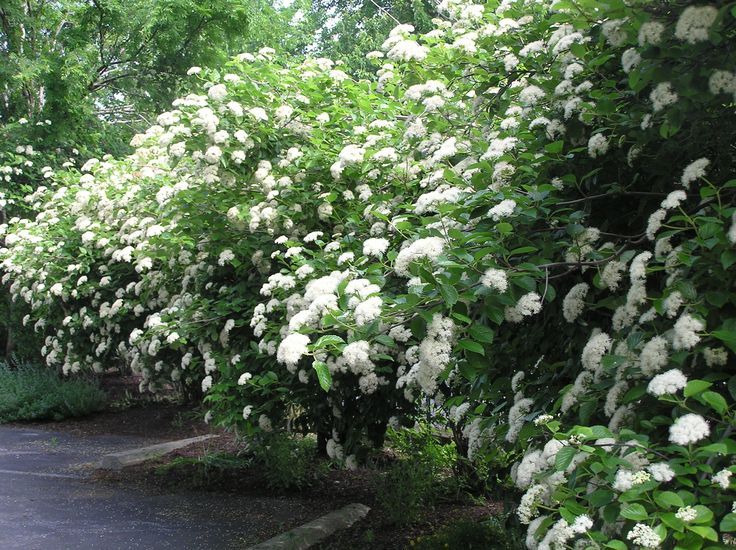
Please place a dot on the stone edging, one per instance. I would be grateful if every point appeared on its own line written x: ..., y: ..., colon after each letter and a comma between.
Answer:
x: 118, y: 461
x: 315, y: 531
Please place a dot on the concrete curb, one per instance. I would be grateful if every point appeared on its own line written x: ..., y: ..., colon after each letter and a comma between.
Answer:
x: 118, y: 461
x: 315, y: 531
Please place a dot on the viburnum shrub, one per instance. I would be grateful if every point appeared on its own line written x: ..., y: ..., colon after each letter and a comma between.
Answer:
x: 526, y: 220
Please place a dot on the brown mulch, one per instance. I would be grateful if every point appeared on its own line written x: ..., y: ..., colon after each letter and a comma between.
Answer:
x: 374, y: 532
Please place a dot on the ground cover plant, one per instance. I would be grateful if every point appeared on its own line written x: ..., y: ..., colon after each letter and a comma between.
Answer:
x: 29, y: 392
x: 524, y: 225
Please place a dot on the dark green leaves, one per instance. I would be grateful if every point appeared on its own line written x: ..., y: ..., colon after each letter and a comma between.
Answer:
x: 323, y: 374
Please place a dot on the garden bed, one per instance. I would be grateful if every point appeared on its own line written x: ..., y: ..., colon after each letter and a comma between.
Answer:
x: 219, y: 466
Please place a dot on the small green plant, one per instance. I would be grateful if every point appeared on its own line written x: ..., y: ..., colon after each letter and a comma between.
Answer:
x: 206, y: 469
x: 29, y: 392
x: 426, y: 472
x: 470, y: 535
x: 287, y: 462
x: 404, y: 489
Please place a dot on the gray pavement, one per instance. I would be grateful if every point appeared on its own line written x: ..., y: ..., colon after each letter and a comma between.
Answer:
x: 47, y: 501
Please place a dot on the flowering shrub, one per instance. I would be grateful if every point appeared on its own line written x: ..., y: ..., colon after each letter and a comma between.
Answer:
x: 526, y: 219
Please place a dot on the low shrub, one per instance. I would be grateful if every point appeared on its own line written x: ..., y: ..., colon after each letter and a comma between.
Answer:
x: 287, y: 462
x: 28, y: 392
x: 470, y: 535
x: 405, y: 489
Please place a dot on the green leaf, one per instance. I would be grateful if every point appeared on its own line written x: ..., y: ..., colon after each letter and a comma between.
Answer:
x: 481, y: 333
x: 600, y: 497
x: 564, y: 457
x: 449, y: 294
x: 728, y: 523
x: 504, y: 228
x: 695, y: 387
x: 386, y: 340
x: 728, y: 258
x: 707, y: 533
x: 554, y: 147
x: 634, y: 511
x: 616, y: 545
x: 727, y: 334
x: 705, y: 515
x: 672, y: 521
x: 715, y: 400
x: 323, y: 374
x: 328, y: 340
x: 470, y: 345
x: 668, y: 499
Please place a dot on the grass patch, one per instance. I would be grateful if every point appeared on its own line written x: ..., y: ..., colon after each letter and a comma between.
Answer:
x: 29, y: 392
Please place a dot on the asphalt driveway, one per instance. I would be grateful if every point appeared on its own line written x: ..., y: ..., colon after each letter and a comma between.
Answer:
x: 47, y: 501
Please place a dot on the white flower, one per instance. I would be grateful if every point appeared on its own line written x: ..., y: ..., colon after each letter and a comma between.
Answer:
x: 496, y: 279
x: 387, y: 154
x: 368, y: 310
x: 375, y: 247
x: 686, y: 514
x: 674, y: 199
x: 206, y: 383
x: 194, y: 70
x: 689, y: 428
x: 667, y: 383
x: 644, y: 536
x: 304, y: 271
x: 651, y: 33
x: 694, y: 171
x: 429, y: 247
x: 655, y: 223
x: 217, y: 92
x: 502, y: 210
x: 258, y: 113
x: 582, y: 524
x: 661, y: 472
x: 264, y: 423
x: 597, y: 145
x: 723, y: 478
x: 531, y: 95
x: 695, y: 22
x: 715, y: 357
x: 596, y: 347
x: 225, y: 256
x: 662, y: 95
x: 247, y: 410
x: 243, y: 379
x: 291, y: 349
x: 407, y: 50
x: 529, y: 304
x: 721, y: 82
x: 630, y: 60
x: 615, y: 32
x: 213, y: 155
x: 574, y: 302
x: 686, y: 329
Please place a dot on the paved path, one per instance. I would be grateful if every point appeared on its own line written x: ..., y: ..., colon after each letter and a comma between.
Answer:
x: 47, y: 502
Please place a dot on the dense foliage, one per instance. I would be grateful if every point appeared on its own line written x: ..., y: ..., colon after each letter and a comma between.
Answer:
x: 525, y: 222
x: 29, y: 392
